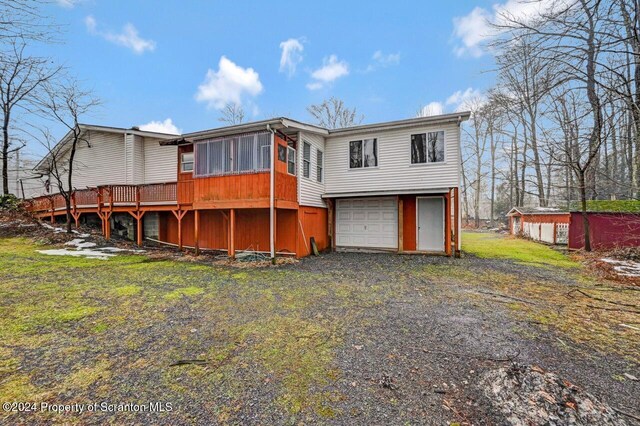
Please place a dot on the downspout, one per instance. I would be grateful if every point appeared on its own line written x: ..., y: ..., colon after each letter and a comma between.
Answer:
x: 272, y: 184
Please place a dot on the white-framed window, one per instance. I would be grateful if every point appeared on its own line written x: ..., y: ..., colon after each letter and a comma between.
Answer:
x: 233, y: 155
x: 186, y: 162
x: 319, y: 165
x: 427, y: 147
x: 306, y: 159
x: 363, y: 153
x: 291, y: 161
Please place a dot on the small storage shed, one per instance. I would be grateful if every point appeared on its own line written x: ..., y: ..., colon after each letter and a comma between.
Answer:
x: 612, y: 224
x: 546, y: 224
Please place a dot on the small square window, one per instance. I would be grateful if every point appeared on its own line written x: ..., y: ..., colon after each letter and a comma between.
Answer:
x: 186, y: 162
x: 291, y: 161
x: 282, y: 153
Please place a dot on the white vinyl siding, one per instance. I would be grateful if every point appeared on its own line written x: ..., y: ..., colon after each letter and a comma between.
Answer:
x: 134, y: 159
x: 394, y: 171
x: 160, y: 162
x: 310, y: 190
x: 32, y: 185
x: 101, y: 163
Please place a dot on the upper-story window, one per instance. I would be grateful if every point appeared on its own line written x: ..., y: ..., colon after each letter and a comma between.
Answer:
x: 186, y: 162
x: 363, y: 153
x: 306, y: 159
x: 427, y: 147
x: 319, y: 165
x: 234, y: 154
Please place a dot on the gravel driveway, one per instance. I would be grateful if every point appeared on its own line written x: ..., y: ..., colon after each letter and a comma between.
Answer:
x: 344, y: 338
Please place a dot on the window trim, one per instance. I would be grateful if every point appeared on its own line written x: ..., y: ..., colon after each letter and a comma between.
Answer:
x: 192, y: 162
x: 427, y: 163
x: 319, y: 166
x: 306, y: 172
x: 363, y: 166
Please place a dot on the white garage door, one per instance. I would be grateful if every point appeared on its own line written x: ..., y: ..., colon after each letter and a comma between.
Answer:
x: 367, y: 222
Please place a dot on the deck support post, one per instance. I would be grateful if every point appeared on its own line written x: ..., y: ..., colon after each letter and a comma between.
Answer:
x: 179, y: 214
x: 138, y: 217
x: 232, y: 233
x: 106, y: 226
x: 76, y: 218
x: 196, y: 231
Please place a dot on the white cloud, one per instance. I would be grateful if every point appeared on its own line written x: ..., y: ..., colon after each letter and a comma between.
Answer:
x: 128, y: 37
x: 382, y: 60
x: 67, y: 4
x: 165, y: 126
x: 474, y: 29
x: 291, y: 55
x: 463, y: 100
x: 228, y: 84
x: 91, y: 24
x: 458, y: 101
x: 331, y: 70
x: 432, y: 108
x: 386, y: 60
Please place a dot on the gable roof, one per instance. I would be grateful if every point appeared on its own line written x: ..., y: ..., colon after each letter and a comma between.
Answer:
x: 62, y: 145
x: 535, y: 210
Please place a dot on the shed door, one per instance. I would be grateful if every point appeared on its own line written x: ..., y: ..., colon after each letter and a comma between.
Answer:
x: 367, y: 223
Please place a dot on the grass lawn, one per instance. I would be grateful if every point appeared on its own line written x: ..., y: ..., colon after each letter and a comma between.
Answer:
x: 491, y: 245
x: 278, y: 343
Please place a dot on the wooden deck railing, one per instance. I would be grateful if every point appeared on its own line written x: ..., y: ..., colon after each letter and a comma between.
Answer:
x: 108, y: 196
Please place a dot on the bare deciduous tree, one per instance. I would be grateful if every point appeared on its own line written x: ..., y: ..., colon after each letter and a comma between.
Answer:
x: 232, y: 113
x: 21, y: 76
x: 24, y: 20
x: 333, y: 114
x: 66, y: 103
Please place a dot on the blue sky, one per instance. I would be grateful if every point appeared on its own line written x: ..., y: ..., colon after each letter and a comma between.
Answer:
x: 150, y: 61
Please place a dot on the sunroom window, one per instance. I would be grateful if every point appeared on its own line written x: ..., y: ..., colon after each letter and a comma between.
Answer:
x: 233, y: 155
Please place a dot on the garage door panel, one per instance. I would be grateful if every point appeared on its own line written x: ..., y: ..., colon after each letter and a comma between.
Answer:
x: 367, y: 223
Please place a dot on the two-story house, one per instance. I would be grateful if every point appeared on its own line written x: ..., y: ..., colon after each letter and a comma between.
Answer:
x: 280, y: 186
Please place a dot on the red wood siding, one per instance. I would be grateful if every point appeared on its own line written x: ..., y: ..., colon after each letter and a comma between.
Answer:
x: 314, y: 223
x: 607, y: 230
x: 252, y: 186
x: 409, y: 222
x: 547, y: 218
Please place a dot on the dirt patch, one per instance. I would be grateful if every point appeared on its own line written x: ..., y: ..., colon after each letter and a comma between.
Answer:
x: 528, y: 395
